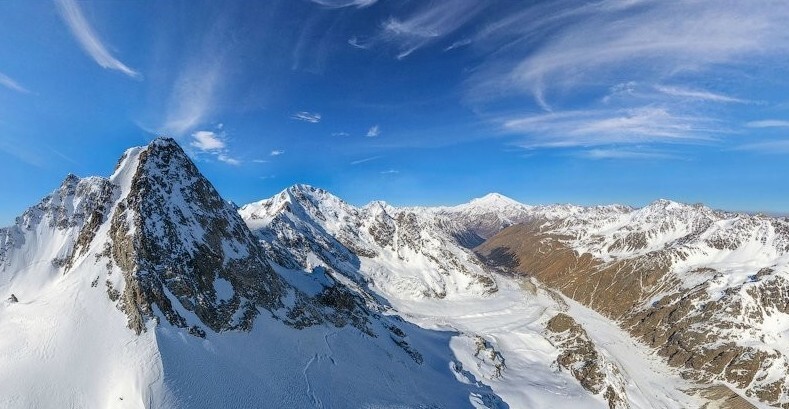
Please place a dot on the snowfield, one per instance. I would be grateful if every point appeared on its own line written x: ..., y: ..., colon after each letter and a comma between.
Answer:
x: 378, y: 307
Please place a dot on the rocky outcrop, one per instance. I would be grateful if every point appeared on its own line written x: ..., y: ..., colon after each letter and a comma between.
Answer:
x: 189, y: 247
x: 580, y: 357
x: 712, y: 324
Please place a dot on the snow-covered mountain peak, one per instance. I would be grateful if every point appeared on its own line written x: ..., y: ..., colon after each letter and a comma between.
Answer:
x: 313, y: 196
x: 494, y: 200
x: 670, y: 206
x: 163, y: 142
x: 71, y: 180
x: 481, y: 217
x: 379, y: 207
x: 157, y: 235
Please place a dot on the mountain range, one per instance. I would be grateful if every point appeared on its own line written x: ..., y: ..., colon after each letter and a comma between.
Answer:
x: 148, y: 289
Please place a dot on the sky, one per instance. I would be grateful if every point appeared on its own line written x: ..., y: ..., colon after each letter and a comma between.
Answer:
x: 412, y: 102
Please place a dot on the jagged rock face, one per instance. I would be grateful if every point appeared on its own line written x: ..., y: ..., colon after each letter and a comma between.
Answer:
x: 177, y: 241
x: 580, y: 356
x: 706, y: 289
x: 308, y: 228
x: 156, y: 241
x: 72, y: 213
x: 170, y: 248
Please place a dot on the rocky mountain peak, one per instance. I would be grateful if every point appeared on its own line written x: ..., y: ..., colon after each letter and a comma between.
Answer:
x: 70, y: 181
x: 180, y: 246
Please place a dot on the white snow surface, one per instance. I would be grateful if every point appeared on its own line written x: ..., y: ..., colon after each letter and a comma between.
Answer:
x: 65, y: 344
x: 512, y: 320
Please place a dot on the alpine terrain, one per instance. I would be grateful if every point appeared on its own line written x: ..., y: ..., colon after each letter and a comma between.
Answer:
x: 147, y: 289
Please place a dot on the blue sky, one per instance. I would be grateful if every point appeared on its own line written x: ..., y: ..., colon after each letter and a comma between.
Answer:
x: 412, y: 102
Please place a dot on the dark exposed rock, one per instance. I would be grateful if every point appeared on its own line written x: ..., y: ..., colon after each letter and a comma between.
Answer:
x: 185, y: 238
x: 487, y: 353
x: 13, y: 299
x: 579, y: 356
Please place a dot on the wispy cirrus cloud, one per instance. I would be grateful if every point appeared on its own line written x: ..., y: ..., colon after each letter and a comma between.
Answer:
x: 621, y: 72
x: 605, y: 127
x: 644, y: 39
x: 212, y: 143
x: 277, y: 152
x: 766, y: 147
x: 701, y: 95
x: 192, y: 96
x: 305, y: 116
x: 195, y: 90
x: 768, y: 123
x: 360, y: 161
x: 374, y: 131
x: 430, y: 22
x: 336, y: 4
x: 611, y: 153
x: 89, y: 40
x: 11, y: 84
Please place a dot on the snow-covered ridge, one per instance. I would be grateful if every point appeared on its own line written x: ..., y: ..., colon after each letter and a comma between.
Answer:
x: 405, y: 254
x: 146, y: 289
x: 724, y: 253
x: 705, y: 288
x: 306, y: 299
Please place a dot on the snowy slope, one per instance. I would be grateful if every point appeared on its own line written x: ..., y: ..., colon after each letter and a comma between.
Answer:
x: 147, y: 290
x: 391, y: 256
x: 706, y: 289
x: 400, y: 252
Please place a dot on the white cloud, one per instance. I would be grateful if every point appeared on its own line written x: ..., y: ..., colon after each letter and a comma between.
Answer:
x: 207, y: 141
x: 624, y: 154
x: 336, y: 4
x: 192, y: 96
x: 357, y: 43
x: 259, y: 161
x: 356, y: 162
x: 390, y: 172
x: 340, y: 134
x: 604, y: 127
x: 9, y: 83
x: 277, y: 152
x: 212, y: 143
x: 599, y: 69
x: 431, y: 22
x: 307, y: 117
x: 592, y: 43
x: 227, y: 159
x: 768, y: 147
x: 768, y: 123
x: 88, y: 39
x: 194, y: 93
x: 698, y: 94
x: 458, y: 44
x: 374, y: 131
